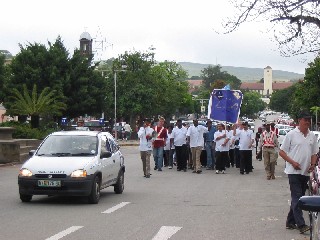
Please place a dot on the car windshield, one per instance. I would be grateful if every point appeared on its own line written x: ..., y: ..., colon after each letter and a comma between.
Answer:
x: 64, y: 145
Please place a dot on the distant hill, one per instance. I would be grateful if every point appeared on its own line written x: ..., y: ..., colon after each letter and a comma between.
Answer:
x: 244, y: 74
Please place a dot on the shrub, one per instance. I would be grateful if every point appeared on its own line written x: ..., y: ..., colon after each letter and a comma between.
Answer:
x: 24, y: 130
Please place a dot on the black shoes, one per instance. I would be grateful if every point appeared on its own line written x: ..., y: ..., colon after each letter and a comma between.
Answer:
x: 291, y: 226
x: 304, y: 228
x: 199, y: 171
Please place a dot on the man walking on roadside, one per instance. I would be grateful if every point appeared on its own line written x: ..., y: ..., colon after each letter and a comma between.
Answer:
x: 145, y: 147
x: 222, y: 148
x: 179, y: 141
x: 268, y: 141
x: 299, y: 149
x: 195, y: 138
x: 160, y: 134
x: 209, y: 145
x: 246, y: 143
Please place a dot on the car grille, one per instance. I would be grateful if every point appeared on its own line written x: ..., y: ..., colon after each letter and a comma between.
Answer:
x: 53, y: 175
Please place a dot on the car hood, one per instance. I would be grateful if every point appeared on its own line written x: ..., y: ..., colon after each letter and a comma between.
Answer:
x: 57, y: 165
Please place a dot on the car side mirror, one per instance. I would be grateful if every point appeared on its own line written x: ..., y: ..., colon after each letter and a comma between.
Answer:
x: 310, y: 203
x: 31, y: 152
x: 105, y: 154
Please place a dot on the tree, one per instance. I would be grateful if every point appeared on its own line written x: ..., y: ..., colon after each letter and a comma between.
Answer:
x: 295, y: 23
x: 35, y: 64
x: 315, y: 110
x: 251, y: 104
x: 214, y: 78
x: 277, y: 102
x: 214, y: 73
x: 35, y: 105
x: 85, y: 90
x: 147, y: 89
x: 306, y: 94
x: 74, y: 80
x: 2, y: 77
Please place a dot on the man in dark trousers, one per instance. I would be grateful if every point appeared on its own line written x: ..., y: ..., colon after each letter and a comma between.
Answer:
x: 299, y: 149
x: 179, y: 139
x: 246, y: 143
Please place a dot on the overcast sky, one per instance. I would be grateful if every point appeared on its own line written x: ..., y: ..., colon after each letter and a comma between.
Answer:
x: 181, y: 31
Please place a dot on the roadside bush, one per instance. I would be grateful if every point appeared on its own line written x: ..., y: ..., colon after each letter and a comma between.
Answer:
x: 24, y: 130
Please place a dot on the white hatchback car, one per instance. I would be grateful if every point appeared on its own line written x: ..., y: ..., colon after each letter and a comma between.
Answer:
x: 73, y: 163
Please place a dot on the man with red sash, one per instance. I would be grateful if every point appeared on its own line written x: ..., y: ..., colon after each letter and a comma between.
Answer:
x: 159, y: 140
x: 268, y: 142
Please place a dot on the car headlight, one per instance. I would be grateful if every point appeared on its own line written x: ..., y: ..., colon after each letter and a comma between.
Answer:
x: 79, y: 173
x: 24, y: 172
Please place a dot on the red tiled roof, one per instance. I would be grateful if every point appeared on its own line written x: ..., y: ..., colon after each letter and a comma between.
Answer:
x: 195, y: 83
x: 251, y: 86
x: 259, y: 86
x: 281, y: 85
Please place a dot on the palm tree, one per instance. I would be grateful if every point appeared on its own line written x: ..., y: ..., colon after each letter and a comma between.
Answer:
x: 35, y: 106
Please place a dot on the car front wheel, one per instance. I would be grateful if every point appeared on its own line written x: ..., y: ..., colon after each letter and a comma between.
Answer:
x: 94, y: 196
x: 25, y: 197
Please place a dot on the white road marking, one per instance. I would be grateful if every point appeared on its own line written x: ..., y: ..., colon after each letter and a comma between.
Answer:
x: 166, y: 232
x: 64, y: 233
x: 116, y: 207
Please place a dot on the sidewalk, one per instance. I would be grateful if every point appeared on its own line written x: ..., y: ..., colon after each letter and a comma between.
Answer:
x: 123, y: 143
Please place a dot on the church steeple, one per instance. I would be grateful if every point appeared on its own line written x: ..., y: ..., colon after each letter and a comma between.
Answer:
x: 267, y: 85
x: 86, y: 44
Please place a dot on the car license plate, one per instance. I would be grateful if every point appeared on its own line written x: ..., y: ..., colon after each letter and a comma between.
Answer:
x: 49, y: 183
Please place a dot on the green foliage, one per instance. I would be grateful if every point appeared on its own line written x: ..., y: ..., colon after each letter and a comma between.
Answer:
x: 213, y: 73
x: 277, y: 102
x: 85, y: 89
x: 306, y: 94
x: 24, y: 130
x: 34, y: 105
x: 146, y: 89
x: 251, y: 104
x: 74, y: 81
x: 214, y: 78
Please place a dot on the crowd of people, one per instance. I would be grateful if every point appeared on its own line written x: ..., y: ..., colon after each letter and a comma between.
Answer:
x: 232, y: 146
x: 214, y: 147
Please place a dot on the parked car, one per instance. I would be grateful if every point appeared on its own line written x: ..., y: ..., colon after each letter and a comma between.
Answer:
x: 73, y: 163
x: 282, y: 133
x: 96, y: 125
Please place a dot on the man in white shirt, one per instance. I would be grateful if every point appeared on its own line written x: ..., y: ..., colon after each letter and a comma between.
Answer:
x: 231, y: 146
x: 299, y: 149
x: 246, y: 143
x: 145, y: 147
x: 179, y: 141
x: 196, y: 141
x: 222, y: 148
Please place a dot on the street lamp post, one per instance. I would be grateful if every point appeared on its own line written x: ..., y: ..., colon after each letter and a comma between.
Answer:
x: 115, y: 100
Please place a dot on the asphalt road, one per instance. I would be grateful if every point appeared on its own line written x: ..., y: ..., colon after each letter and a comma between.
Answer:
x: 171, y: 204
